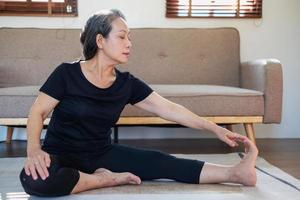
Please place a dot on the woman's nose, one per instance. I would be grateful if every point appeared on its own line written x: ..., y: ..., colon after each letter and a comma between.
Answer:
x: 129, y: 44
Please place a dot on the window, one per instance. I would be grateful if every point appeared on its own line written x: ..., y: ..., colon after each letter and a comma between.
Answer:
x: 39, y: 7
x: 214, y: 8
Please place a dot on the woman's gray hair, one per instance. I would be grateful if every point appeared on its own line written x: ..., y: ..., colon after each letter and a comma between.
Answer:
x: 99, y: 23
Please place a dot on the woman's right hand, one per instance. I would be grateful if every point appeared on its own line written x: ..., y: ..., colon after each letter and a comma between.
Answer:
x: 37, y: 163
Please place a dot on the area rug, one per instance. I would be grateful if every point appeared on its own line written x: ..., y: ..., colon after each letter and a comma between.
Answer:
x: 272, y: 183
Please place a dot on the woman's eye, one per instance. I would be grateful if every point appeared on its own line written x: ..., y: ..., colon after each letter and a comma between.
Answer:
x: 122, y: 37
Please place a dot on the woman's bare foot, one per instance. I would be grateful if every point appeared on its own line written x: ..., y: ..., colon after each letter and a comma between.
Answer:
x: 109, y: 178
x: 103, y: 178
x: 244, y: 172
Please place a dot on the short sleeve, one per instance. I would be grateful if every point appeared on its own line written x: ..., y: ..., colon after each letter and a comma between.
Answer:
x: 55, y: 84
x: 139, y: 90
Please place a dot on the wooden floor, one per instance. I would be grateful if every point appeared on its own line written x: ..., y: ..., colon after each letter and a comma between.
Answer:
x: 283, y: 153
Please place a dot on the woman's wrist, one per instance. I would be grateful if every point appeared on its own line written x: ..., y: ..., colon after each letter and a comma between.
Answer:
x: 217, y: 129
x: 211, y: 126
x: 33, y: 147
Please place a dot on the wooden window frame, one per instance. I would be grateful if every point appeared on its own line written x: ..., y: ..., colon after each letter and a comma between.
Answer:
x: 177, y: 9
x: 46, y: 9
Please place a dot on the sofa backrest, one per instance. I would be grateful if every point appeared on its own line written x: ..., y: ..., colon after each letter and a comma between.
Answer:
x: 28, y: 56
x: 186, y: 56
x: 158, y: 55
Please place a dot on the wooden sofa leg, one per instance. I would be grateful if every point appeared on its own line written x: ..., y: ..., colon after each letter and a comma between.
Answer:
x: 250, y: 131
x: 229, y: 127
x: 9, y: 134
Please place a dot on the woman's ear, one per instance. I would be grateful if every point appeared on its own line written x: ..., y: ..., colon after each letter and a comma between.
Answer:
x: 99, y: 41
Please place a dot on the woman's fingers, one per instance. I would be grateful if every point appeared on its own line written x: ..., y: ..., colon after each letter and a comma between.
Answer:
x: 234, y: 138
x: 248, y: 144
x: 237, y: 136
x: 231, y: 142
x: 227, y: 139
x: 47, y: 160
x: 32, y: 171
x: 36, y: 165
x: 231, y: 139
x: 43, y: 166
x: 39, y: 169
x: 27, y: 171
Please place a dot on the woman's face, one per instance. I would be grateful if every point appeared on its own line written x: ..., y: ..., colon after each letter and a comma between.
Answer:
x: 116, y: 46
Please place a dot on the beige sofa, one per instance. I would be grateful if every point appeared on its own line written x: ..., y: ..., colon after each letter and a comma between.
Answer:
x: 197, y: 68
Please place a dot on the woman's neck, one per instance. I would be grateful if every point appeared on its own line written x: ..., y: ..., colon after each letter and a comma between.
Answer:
x: 99, y: 68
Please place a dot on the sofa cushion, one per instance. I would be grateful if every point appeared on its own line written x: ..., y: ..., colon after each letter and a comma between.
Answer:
x: 204, y: 100
x: 208, y: 100
x: 15, y: 102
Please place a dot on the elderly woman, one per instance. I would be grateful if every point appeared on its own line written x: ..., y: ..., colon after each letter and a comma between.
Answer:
x: 87, y: 97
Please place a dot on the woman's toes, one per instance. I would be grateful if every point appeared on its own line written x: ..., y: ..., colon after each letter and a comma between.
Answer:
x: 134, y: 179
x: 250, y: 147
x: 112, y: 178
x: 131, y: 178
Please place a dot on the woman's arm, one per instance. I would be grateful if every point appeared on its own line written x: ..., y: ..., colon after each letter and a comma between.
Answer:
x: 38, y: 160
x: 174, y: 112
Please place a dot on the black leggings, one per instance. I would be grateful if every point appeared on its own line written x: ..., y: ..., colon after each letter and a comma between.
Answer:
x: 147, y: 164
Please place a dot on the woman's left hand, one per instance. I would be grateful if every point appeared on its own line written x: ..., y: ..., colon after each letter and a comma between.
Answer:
x: 229, y: 137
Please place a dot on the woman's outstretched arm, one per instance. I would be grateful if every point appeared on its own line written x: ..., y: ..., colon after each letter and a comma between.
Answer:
x: 171, y: 111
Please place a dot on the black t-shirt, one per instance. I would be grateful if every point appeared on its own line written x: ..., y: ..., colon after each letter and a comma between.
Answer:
x: 82, y: 120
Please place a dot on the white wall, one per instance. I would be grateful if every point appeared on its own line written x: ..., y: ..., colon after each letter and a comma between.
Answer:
x: 275, y: 35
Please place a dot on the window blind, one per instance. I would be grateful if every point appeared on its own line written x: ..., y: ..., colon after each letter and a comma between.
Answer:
x: 39, y: 7
x: 214, y: 8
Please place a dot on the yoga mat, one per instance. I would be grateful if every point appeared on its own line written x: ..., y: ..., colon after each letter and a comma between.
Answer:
x: 272, y: 183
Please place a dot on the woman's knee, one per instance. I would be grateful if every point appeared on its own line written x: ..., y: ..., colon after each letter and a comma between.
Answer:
x: 58, y: 183
x: 31, y: 186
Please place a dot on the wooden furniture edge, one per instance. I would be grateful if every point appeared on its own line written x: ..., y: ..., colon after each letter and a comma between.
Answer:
x: 149, y: 120
x: 248, y: 122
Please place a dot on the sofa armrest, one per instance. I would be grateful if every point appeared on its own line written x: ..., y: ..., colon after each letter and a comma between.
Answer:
x: 265, y: 75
